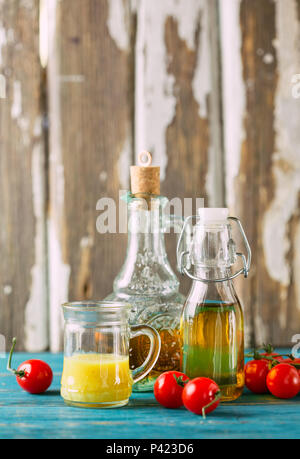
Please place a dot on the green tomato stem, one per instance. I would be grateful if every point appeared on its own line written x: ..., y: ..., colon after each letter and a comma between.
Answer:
x: 180, y: 381
x: 217, y: 397
x: 15, y: 372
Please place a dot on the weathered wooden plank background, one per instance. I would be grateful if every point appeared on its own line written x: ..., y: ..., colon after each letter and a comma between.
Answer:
x: 261, y: 53
x: 91, y: 75
x: 23, y: 299
x: 206, y: 85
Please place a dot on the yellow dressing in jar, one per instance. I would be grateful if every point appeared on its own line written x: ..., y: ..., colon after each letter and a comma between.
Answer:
x: 96, y: 379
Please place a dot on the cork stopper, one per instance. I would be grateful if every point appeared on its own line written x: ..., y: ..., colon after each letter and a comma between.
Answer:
x: 144, y: 177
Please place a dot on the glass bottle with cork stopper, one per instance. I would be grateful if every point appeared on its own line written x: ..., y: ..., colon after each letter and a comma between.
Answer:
x: 212, y: 323
x: 146, y: 279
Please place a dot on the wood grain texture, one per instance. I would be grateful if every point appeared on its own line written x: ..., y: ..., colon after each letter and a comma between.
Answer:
x: 177, y: 103
x: 174, y: 87
x: 91, y: 101
x: 23, y: 298
x: 262, y: 161
x: 281, y: 226
x: 254, y: 187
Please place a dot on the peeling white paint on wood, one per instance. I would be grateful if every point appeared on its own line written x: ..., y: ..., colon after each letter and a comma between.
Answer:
x: 103, y: 176
x: 59, y: 272
x: 7, y: 290
x: 134, y: 5
x: 234, y: 92
x: 36, y: 312
x: 202, y: 82
x: 119, y: 27
x: 3, y: 42
x: 234, y: 112
x: 124, y: 163
x: 155, y: 89
x: 276, y: 220
x: 43, y: 33
x: 118, y: 23
x: 10, y: 36
x: 2, y: 87
x: 17, y: 113
x: 210, y: 38
x: 36, y: 324
x: 87, y: 242
x: 16, y: 108
x: 286, y: 165
x: 59, y: 277
x: 268, y: 58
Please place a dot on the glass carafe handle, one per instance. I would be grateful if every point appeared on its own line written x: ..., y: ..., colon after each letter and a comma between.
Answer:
x: 155, y: 344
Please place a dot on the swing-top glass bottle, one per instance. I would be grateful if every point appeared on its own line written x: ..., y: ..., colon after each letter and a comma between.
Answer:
x: 212, y: 323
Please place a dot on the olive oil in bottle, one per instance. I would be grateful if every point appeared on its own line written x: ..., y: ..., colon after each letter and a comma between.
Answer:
x: 213, y: 346
x: 212, y: 324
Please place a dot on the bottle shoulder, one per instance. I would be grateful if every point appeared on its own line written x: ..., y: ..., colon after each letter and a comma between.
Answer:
x: 212, y: 296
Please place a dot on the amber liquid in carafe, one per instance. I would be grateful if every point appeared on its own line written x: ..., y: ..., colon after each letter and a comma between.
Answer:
x: 169, y: 358
x: 213, y: 346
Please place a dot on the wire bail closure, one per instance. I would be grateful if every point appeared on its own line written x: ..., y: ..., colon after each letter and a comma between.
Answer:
x: 181, y: 256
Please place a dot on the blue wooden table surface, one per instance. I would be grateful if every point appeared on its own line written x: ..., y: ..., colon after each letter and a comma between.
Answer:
x: 45, y: 416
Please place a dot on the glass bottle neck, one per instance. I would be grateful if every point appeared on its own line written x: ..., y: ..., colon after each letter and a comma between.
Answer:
x: 212, y: 255
x: 146, y: 270
x: 213, y: 248
x: 218, y: 292
x: 212, y: 273
x: 145, y: 234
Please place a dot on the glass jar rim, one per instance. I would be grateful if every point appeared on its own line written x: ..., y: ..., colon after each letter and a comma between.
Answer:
x: 84, y: 306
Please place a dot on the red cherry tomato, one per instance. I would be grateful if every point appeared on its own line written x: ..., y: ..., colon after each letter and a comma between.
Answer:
x: 168, y: 389
x: 34, y: 376
x: 201, y: 396
x: 283, y: 381
x: 295, y: 361
x: 256, y: 372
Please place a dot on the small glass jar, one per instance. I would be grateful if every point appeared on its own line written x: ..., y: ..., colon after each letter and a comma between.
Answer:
x: 96, y: 371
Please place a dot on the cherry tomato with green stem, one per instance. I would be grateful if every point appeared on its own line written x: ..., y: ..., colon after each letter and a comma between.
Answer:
x: 201, y: 396
x: 269, y: 352
x: 168, y: 388
x: 283, y: 381
x: 34, y: 376
x: 256, y: 372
